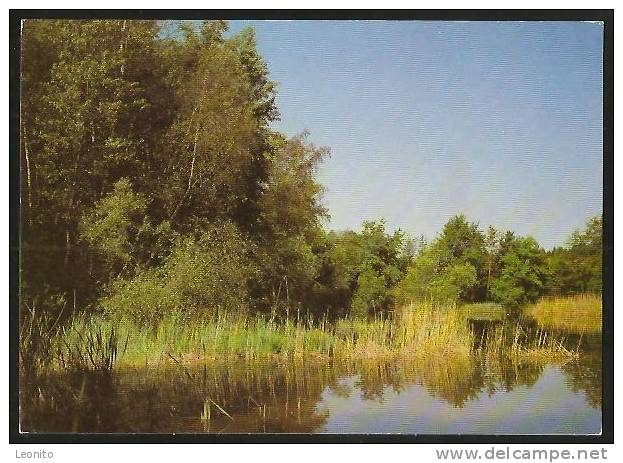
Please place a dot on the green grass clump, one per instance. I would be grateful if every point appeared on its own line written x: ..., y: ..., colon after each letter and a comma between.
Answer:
x: 88, y: 345
x: 485, y: 311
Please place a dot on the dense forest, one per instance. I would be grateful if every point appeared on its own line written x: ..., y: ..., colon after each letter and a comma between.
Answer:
x: 152, y: 184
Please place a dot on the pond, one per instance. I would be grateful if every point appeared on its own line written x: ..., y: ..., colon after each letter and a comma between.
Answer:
x: 473, y: 395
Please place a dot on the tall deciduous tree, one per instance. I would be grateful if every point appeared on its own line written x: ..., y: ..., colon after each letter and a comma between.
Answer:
x: 290, y: 223
x: 215, y: 156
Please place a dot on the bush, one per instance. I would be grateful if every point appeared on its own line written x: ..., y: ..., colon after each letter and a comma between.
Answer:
x: 200, y: 277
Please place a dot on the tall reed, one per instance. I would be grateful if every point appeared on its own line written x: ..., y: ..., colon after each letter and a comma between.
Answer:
x: 37, y: 331
x: 89, y: 345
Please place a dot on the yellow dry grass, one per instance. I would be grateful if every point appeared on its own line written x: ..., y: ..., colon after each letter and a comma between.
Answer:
x: 576, y: 314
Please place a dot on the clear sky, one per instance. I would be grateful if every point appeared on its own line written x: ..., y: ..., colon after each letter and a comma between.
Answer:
x: 499, y: 121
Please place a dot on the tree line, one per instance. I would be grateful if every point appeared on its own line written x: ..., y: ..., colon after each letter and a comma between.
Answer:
x: 152, y: 184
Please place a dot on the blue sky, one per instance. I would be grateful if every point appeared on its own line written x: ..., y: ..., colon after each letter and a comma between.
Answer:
x: 500, y: 121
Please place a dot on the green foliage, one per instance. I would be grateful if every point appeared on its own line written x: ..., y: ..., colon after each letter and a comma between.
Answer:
x: 433, y: 276
x: 456, y: 279
x: 465, y: 264
x: 463, y: 243
x: 93, y: 108
x: 290, y: 205
x: 185, y: 120
x: 202, y: 276
x: 577, y: 267
x: 523, y: 273
x: 122, y: 236
x: 115, y: 223
x: 289, y: 226
x: 364, y: 267
x: 371, y: 293
x: 449, y: 268
x: 214, y: 155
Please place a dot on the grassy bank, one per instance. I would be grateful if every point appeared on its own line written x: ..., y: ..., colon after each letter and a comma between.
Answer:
x: 575, y: 314
x: 419, y: 332
x: 415, y: 330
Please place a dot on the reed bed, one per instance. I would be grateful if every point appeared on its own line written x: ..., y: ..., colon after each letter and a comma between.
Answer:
x: 415, y: 330
x: 420, y: 332
x: 431, y: 331
x: 580, y: 313
x: 435, y: 346
x: 487, y: 311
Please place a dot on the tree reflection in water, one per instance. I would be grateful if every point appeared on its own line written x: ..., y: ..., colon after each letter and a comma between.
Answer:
x: 273, y: 397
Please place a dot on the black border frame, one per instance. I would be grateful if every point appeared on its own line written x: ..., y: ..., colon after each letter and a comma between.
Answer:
x: 605, y: 16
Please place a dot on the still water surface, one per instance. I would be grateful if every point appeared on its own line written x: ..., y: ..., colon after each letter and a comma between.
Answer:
x: 476, y: 395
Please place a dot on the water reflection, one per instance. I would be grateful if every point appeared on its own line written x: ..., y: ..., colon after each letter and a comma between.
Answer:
x: 585, y: 376
x: 471, y: 394
x: 542, y: 409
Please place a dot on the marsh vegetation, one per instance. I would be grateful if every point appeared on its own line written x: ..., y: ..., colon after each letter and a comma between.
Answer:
x: 256, y: 376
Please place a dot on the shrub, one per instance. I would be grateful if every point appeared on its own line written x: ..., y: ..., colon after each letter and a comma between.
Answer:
x: 201, y: 276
